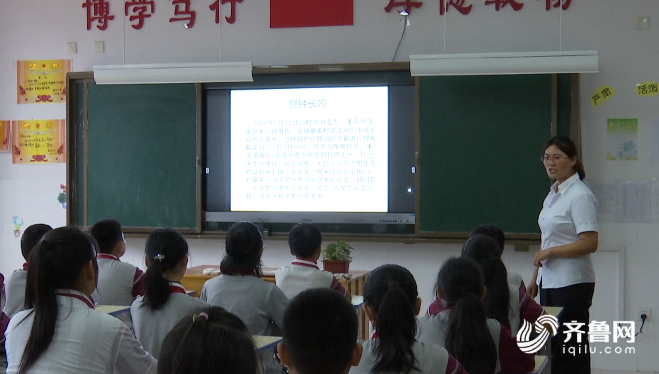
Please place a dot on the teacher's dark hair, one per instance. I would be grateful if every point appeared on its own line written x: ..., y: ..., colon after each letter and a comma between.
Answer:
x: 55, y: 263
x: 567, y: 146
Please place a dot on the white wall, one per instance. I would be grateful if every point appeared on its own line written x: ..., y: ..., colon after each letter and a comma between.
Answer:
x: 36, y: 29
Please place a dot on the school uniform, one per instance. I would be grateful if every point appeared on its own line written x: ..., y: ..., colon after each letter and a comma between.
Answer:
x: 434, y: 330
x: 15, y: 292
x: 302, y: 275
x: 568, y: 210
x: 256, y: 302
x: 119, y: 283
x: 521, y: 306
x: 85, y: 341
x: 152, y: 326
x: 429, y: 359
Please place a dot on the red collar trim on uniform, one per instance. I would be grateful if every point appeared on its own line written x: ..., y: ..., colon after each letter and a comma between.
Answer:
x: 79, y: 297
x: 310, y: 264
x: 108, y: 256
x: 375, y: 335
x: 176, y: 288
x: 25, y: 266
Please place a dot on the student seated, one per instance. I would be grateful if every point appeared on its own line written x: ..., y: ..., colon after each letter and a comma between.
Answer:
x: 15, y: 287
x: 164, y: 302
x: 463, y: 327
x: 485, y: 247
x: 305, y: 240
x: 61, y: 332
x: 391, y: 303
x: 119, y: 283
x: 213, y: 341
x: 240, y: 290
x: 320, y: 334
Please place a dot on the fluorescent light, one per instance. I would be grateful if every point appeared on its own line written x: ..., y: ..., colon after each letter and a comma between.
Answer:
x: 505, y: 63
x: 174, y: 73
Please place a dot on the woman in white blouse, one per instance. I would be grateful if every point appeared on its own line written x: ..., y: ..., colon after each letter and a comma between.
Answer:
x: 563, y: 268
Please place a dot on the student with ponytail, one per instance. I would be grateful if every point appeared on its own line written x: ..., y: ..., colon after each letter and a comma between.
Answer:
x: 391, y: 303
x: 164, y: 302
x: 240, y: 290
x: 483, y: 345
x: 61, y: 332
x: 506, y: 302
x: 213, y: 341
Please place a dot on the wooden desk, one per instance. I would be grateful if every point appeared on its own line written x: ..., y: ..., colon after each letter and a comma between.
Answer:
x: 113, y: 310
x: 541, y: 365
x: 266, y: 342
x: 195, y: 278
x: 555, y: 311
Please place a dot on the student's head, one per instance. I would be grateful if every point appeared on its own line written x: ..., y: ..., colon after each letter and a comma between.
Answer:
x: 460, y: 284
x: 110, y: 237
x: 212, y: 342
x: 304, y: 241
x: 486, y: 252
x: 561, y: 160
x: 64, y: 259
x: 166, y: 255
x: 31, y: 237
x: 391, y: 302
x: 244, y: 246
x: 491, y: 231
x: 320, y: 333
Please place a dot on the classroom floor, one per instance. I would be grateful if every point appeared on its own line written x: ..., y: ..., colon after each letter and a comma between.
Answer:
x: 619, y: 372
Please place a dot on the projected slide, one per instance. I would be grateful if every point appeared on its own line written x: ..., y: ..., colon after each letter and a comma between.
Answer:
x: 309, y: 149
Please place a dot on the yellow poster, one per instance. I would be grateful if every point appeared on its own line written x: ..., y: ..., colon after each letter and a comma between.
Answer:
x: 41, y: 141
x: 603, y: 94
x: 647, y: 89
x: 42, y: 81
x: 4, y: 135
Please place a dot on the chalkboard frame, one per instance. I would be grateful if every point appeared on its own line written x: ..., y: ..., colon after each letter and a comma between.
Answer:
x: 77, y: 167
x: 75, y: 206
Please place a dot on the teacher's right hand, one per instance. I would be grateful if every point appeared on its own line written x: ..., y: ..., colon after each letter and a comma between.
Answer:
x: 532, y: 290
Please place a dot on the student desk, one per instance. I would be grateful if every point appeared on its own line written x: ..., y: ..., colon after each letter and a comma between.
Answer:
x: 113, y: 310
x: 266, y: 342
x: 541, y: 365
x: 194, y: 279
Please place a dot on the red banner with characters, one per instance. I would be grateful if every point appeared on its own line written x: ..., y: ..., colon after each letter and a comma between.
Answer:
x: 41, y: 141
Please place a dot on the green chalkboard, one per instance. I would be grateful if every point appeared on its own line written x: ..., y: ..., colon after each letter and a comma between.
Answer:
x: 480, y: 141
x: 142, y: 155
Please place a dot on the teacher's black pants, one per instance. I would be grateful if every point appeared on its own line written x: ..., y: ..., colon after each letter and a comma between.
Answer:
x: 575, y: 300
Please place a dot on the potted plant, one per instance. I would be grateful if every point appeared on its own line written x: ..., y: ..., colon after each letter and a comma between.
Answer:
x: 62, y: 196
x: 336, y: 257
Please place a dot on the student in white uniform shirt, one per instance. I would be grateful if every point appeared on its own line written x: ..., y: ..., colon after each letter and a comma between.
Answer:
x: 15, y: 287
x: 391, y: 303
x: 211, y: 342
x: 164, y: 302
x: 320, y: 334
x: 305, y: 241
x: 119, y: 283
x: 482, y: 344
x: 240, y: 290
x: 563, y: 267
x: 61, y: 332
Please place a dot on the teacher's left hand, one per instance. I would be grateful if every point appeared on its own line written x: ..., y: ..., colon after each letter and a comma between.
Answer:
x: 540, y: 256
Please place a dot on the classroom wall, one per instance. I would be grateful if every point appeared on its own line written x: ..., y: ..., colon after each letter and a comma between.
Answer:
x: 34, y: 29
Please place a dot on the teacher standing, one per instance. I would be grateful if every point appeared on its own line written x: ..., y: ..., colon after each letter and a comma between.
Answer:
x: 563, y: 267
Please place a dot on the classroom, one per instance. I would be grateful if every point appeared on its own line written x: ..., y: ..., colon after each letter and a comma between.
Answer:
x: 627, y: 254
